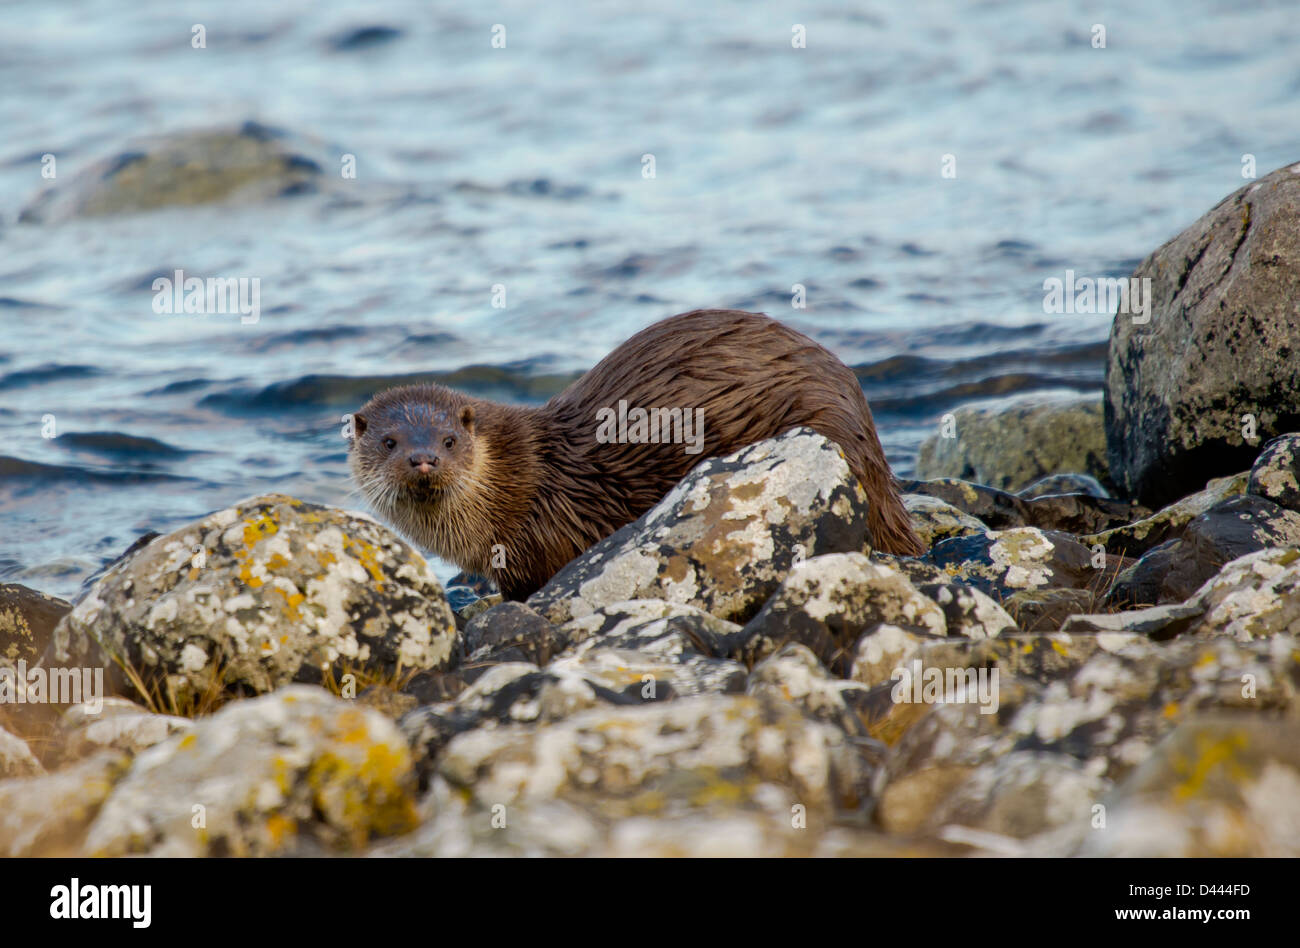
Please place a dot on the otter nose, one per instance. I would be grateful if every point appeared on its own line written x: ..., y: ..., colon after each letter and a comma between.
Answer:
x: 424, y: 462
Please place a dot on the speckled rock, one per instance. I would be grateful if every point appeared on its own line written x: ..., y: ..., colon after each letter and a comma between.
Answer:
x: 1064, y: 484
x: 48, y: 815
x: 297, y: 771
x: 1254, y: 597
x: 1003, y: 562
x: 16, y: 758
x: 969, y: 612
x: 512, y: 632
x: 1144, y: 534
x: 724, y: 538
x: 1220, y: 342
x: 1175, y: 570
x: 1011, y: 446
x: 794, y: 674
x: 934, y: 519
x: 1274, y: 475
x: 27, y: 621
x: 249, y: 163
x: 827, y: 601
x: 884, y: 648
x: 1221, y: 785
x: 281, y: 590
x: 997, y: 509
x: 712, y: 754
x: 635, y: 623
x: 117, y: 725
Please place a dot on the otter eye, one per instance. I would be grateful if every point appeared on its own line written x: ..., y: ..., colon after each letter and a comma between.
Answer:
x: 389, y: 443
x: 449, y: 443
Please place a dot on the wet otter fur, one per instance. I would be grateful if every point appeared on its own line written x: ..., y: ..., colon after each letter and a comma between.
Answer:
x: 461, y: 476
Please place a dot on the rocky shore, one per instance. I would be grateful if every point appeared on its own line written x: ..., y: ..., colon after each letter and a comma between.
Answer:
x: 1099, y: 654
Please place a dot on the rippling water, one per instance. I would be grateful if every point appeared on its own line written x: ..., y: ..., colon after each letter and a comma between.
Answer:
x: 522, y: 166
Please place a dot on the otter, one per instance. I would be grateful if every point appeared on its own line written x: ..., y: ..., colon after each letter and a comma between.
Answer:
x: 460, y: 475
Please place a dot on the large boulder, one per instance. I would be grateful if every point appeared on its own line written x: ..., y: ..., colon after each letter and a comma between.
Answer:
x: 724, y: 538
x: 254, y: 596
x: 1221, y: 342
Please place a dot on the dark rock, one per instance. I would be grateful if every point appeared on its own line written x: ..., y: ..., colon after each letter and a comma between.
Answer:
x: 1221, y: 342
x: 1175, y: 570
x: 1002, y: 563
x: 1274, y: 474
x: 1064, y: 484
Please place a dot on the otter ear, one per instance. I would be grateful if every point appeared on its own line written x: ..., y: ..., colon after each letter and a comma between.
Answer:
x: 467, y: 418
x: 358, y: 424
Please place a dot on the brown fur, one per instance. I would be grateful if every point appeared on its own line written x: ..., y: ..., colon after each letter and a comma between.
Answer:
x: 537, y: 480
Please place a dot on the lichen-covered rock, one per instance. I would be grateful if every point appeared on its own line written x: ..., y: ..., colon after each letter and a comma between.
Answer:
x: 297, y: 771
x: 1220, y: 343
x: 1009, y: 447
x: 711, y: 754
x: 724, y: 538
x: 27, y: 621
x: 1019, y: 795
x: 656, y: 657
x: 1081, y: 512
x: 1064, y: 484
x: 637, y: 622
x: 969, y: 612
x: 794, y: 674
x: 1175, y: 570
x: 825, y: 603
x: 48, y: 815
x: 16, y: 758
x: 268, y: 591
x: 117, y: 725
x: 934, y: 519
x: 249, y: 163
x: 1274, y: 474
x: 883, y: 649
x: 1136, y: 538
x: 512, y: 632
x: 1254, y: 597
x: 1221, y: 785
x: 1002, y: 562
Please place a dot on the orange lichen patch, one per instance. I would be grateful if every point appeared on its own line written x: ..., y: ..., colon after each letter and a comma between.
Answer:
x: 1171, y: 709
x: 188, y: 741
x: 259, y: 529
x: 292, y: 601
x: 367, y: 556
x: 1212, y: 752
x: 281, y: 829
x: 1060, y: 648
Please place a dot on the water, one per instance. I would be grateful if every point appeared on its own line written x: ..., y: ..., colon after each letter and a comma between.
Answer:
x: 523, y: 167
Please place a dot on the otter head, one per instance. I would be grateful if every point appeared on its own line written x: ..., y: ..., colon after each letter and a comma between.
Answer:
x: 411, y: 445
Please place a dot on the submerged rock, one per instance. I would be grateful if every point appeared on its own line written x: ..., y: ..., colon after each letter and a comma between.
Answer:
x: 268, y: 591
x: 1220, y: 343
x: 248, y: 164
x: 724, y: 538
